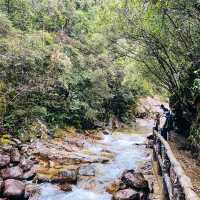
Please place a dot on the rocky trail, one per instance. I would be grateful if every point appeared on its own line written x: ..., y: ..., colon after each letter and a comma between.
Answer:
x: 189, y: 163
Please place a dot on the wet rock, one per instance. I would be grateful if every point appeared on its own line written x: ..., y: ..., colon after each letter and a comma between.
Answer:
x: 115, y: 186
x: 87, y: 183
x: 143, y: 196
x: 26, y: 164
x: 53, y: 175
x: 135, y: 180
x: 87, y: 170
x: 29, y: 174
x: 65, y: 187
x: 106, y: 132
x: 15, y: 155
x: 108, y: 155
x: 31, y: 191
x: 42, y: 178
x: 107, y: 151
x: 35, y: 197
x: 13, y: 172
x: 64, y: 176
x: 4, y: 160
x: 126, y: 194
x: 13, y: 188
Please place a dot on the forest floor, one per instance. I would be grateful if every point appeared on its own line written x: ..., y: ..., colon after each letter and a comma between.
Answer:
x: 190, y: 165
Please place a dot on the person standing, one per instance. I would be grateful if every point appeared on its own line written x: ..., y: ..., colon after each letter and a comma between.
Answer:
x: 168, y: 125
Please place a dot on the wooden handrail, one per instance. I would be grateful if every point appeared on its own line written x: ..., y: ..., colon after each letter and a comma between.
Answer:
x: 177, y: 185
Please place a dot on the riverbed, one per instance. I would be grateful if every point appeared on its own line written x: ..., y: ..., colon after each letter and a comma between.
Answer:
x: 128, y: 146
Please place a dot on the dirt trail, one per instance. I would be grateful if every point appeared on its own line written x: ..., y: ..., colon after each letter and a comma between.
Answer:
x: 190, y: 165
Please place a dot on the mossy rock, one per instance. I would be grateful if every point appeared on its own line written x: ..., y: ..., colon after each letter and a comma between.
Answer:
x: 5, y: 139
x: 62, y: 133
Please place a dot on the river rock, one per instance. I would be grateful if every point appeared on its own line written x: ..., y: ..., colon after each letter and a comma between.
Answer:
x: 26, y: 164
x: 4, y: 160
x: 31, y: 191
x: 106, y: 132
x: 87, y: 183
x: 69, y: 176
x: 42, y: 178
x: 13, y: 188
x: 35, y: 197
x: 13, y: 172
x: 15, y: 155
x: 65, y: 187
x: 29, y: 174
x: 115, y: 186
x: 126, y: 194
x: 87, y: 170
x: 135, y: 180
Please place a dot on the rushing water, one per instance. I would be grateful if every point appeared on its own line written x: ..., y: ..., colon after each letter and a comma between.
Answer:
x: 124, y: 143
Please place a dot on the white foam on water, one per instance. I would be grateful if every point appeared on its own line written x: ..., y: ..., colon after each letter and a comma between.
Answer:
x: 50, y: 192
x: 128, y: 156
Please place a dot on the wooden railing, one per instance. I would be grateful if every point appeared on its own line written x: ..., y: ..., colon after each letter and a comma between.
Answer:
x: 176, y: 185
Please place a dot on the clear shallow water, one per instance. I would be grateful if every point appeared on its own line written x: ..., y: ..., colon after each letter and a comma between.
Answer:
x: 128, y: 156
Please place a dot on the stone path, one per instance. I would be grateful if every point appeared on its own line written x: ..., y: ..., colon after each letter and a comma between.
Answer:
x: 190, y: 165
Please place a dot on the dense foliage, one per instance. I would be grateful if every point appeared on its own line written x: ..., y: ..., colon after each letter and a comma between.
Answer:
x: 163, y: 39
x: 81, y: 62
x: 59, y: 66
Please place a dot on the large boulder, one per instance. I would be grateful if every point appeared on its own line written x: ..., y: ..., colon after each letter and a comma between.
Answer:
x: 15, y: 155
x: 13, y: 188
x: 135, y: 180
x: 13, y: 172
x: 4, y: 160
x: 126, y: 194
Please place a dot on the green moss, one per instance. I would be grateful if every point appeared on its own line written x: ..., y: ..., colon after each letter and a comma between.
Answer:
x: 59, y: 133
x: 5, y: 139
